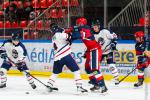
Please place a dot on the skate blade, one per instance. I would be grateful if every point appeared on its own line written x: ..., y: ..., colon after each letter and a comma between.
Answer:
x: 81, y: 93
x: 139, y: 87
x: 105, y: 93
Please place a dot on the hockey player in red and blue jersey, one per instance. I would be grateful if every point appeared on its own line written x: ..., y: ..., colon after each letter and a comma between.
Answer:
x: 143, y: 61
x: 93, y: 54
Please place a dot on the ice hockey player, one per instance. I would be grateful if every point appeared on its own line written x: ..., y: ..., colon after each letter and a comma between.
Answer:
x: 93, y: 54
x: 62, y: 56
x: 143, y: 56
x: 108, y: 41
x: 13, y: 53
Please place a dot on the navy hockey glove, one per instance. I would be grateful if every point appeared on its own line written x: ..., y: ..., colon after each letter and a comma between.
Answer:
x: 3, y: 55
x: 142, y: 59
x: 113, y: 45
x: 21, y: 66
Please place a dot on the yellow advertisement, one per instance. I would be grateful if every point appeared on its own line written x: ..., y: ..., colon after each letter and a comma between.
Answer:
x: 125, y: 56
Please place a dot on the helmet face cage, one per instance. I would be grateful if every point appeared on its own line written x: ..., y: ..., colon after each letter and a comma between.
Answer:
x: 15, y: 37
x: 96, y: 23
x: 53, y: 27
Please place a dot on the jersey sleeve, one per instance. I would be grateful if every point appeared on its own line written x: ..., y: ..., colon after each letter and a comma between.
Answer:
x: 24, y: 49
x: 63, y: 36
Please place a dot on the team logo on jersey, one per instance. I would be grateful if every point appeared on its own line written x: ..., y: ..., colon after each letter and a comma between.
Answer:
x: 14, y: 53
x: 101, y: 40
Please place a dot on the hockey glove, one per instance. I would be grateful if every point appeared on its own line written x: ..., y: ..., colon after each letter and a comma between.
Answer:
x: 113, y: 45
x: 21, y: 66
x: 3, y: 55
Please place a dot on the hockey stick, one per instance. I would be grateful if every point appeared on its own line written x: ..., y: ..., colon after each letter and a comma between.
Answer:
x: 50, y: 88
x: 125, y: 76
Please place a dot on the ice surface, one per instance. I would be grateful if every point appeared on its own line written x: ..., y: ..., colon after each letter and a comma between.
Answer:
x: 17, y: 86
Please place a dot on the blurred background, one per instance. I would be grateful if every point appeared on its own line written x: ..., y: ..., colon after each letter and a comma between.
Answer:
x: 31, y: 18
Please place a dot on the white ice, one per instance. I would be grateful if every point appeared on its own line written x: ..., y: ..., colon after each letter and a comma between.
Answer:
x: 17, y: 86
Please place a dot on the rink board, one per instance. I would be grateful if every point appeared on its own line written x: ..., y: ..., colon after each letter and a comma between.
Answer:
x: 41, y: 53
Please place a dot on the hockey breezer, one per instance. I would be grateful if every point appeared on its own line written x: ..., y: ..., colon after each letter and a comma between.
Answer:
x: 50, y: 88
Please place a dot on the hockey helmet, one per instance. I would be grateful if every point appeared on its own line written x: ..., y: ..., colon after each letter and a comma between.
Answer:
x: 15, y: 36
x: 96, y: 22
x: 81, y: 21
x: 55, y: 28
x: 139, y: 34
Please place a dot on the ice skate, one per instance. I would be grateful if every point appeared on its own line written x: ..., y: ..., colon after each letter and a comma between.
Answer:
x: 33, y: 86
x: 81, y: 89
x: 3, y: 85
x: 104, y: 89
x: 116, y: 81
x: 139, y: 83
x: 95, y: 88
x: 53, y: 87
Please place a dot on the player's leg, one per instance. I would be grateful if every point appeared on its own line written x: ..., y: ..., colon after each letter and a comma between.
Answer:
x: 57, y: 69
x: 112, y: 67
x: 22, y: 67
x: 142, y: 63
x: 3, y: 73
x: 88, y: 68
x: 72, y: 65
x: 140, y: 77
x: 96, y: 74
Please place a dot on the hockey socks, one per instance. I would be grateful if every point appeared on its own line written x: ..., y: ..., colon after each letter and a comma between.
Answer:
x: 3, y: 77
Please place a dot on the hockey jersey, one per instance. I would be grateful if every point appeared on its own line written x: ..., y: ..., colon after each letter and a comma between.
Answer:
x: 61, y: 45
x: 14, y: 52
x: 141, y: 47
x: 84, y: 33
x: 107, y: 38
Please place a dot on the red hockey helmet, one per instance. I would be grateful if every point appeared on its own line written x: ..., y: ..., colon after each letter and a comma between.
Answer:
x: 139, y: 34
x: 81, y: 20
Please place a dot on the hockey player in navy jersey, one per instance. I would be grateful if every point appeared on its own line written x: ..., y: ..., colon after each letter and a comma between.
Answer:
x: 62, y: 56
x: 143, y: 56
x: 108, y: 41
x: 14, y: 54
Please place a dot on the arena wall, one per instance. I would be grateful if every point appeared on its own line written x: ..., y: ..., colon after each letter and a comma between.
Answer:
x: 41, y: 53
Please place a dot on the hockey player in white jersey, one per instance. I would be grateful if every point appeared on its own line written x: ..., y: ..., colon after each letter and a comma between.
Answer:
x: 62, y: 57
x: 108, y: 41
x: 13, y: 53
